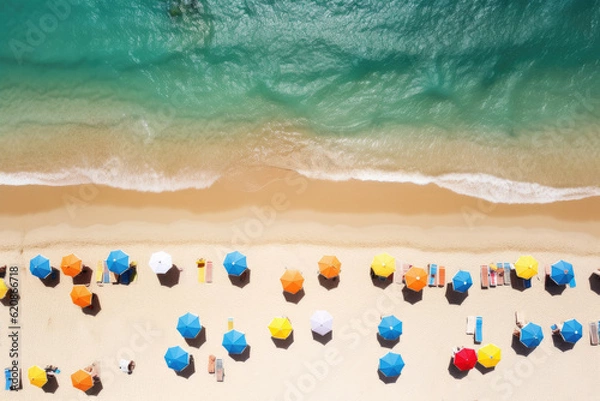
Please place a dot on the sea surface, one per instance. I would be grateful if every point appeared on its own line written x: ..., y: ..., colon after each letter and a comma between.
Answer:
x: 498, y: 99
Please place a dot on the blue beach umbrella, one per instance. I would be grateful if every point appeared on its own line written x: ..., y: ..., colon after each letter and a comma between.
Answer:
x: 531, y: 335
x: 40, y: 267
x: 462, y: 281
x: 235, y: 263
x: 562, y: 272
x: 177, y: 359
x: 189, y: 325
x: 571, y: 331
x: 391, y: 364
x: 117, y: 262
x: 390, y: 327
x: 234, y: 342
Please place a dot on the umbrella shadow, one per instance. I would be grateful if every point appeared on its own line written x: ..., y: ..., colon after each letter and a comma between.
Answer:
x: 323, y: 339
x: 456, y: 372
x: 561, y: 344
x: 189, y: 370
x: 516, y: 283
x: 243, y: 357
x: 519, y: 347
x: 410, y: 296
x: 96, y: 388
x: 387, y: 343
x: 381, y: 282
x: 51, y: 385
x: 483, y: 370
x: 329, y: 283
x: 294, y: 298
x: 170, y: 278
x: 285, y: 343
x: 197, y: 341
x: 10, y: 296
x: 387, y: 379
x: 94, y: 308
x: 552, y: 288
x: 84, y: 277
x: 594, y: 283
x: 242, y: 280
x: 455, y: 297
x: 53, y: 278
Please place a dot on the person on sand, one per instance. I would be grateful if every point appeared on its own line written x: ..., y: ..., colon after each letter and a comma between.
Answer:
x: 93, y: 371
x: 211, y: 363
x: 127, y: 366
x: 51, y: 370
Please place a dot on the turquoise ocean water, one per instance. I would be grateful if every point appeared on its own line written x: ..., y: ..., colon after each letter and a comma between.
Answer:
x: 496, y: 99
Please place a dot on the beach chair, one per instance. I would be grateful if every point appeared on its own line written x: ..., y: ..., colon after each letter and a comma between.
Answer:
x: 594, y: 333
x: 507, y: 274
x: 209, y: 272
x: 229, y: 323
x: 478, y: 329
x: 211, y: 363
x: 100, y: 273
x: 432, y: 272
x: 520, y: 319
x: 493, y: 277
x: 500, y: 272
x: 547, y: 270
x: 219, y: 370
x: 398, y: 276
x: 485, y: 276
x: 8, y: 381
x: 527, y: 283
x: 405, y: 268
x: 470, y: 325
x: 441, y: 277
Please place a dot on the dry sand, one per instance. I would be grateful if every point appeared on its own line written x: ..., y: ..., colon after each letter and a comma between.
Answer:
x: 291, y: 222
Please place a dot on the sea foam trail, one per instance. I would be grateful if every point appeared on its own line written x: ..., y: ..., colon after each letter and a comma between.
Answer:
x: 483, y: 186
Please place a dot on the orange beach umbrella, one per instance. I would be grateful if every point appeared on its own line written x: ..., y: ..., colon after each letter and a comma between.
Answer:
x: 330, y: 266
x: 71, y: 265
x: 292, y: 281
x: 416, y: 278
x: 81, y: 296
x: 82, y: 380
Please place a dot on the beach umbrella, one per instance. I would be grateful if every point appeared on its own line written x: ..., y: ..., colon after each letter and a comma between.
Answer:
x: 71, y: 265
x: 383, y: 265
x: 571, y: 331
x: 531, y: 335
x: 329, y: 266
x: 189, y: 325
x: 40, y: 267
x: 292, y: 281
x: 489, y: 355
x: 416, y: 278
x: 321, y: 322
x: 280, y: 328
x: 37, y: 376
x: 390, y: 327
x: 391, y: 364
x: 81, y: 296
x: 82, y: 380
x: 562, y: 272
x: 234, y: 342
x: 117, y: 262
x: 160, y: 262
x: 465, y: 359
x: 462, y: 281
x: 3, y: 288
x: 526, y: 267
x: 235, y: 263
x: 177, y: 358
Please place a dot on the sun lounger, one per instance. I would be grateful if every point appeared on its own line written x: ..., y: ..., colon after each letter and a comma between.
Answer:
x: 398, y: 276
x: 594, y: 333
x: 478, y: 329
x: 493, y: 278
x: 8, y: 381
x: 441, y: 277
x: 485, y: 271
x: 219, y: 370
x: 547, y: 270
x: 202, y: 274
x: 405, y: 268
x: 500, y: 274
x: 100, y: 273
x: 211, y: 363
x: 527, y: 283
x: 507, y: 274
x: 209, y: 271
x: 470, y: 325
x: 432, y: 272
x: 229, y: 323
x: 520, y: 319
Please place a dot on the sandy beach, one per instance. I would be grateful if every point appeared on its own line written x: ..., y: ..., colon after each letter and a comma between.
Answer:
x: 286, y: 220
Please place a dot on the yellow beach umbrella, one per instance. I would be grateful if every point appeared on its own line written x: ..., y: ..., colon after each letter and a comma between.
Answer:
x: 489, y: 355
x: 329, y: 266
x: 526, y: 267
x: 37, y: 376
x: 280, y: 328
x: 3, y: 289
x: 383, y: 265
x: 416, y: 278
x: 71, y: 265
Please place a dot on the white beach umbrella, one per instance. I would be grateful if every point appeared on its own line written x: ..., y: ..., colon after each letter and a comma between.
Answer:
x: 321, y: 322
x: 160, y: 262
